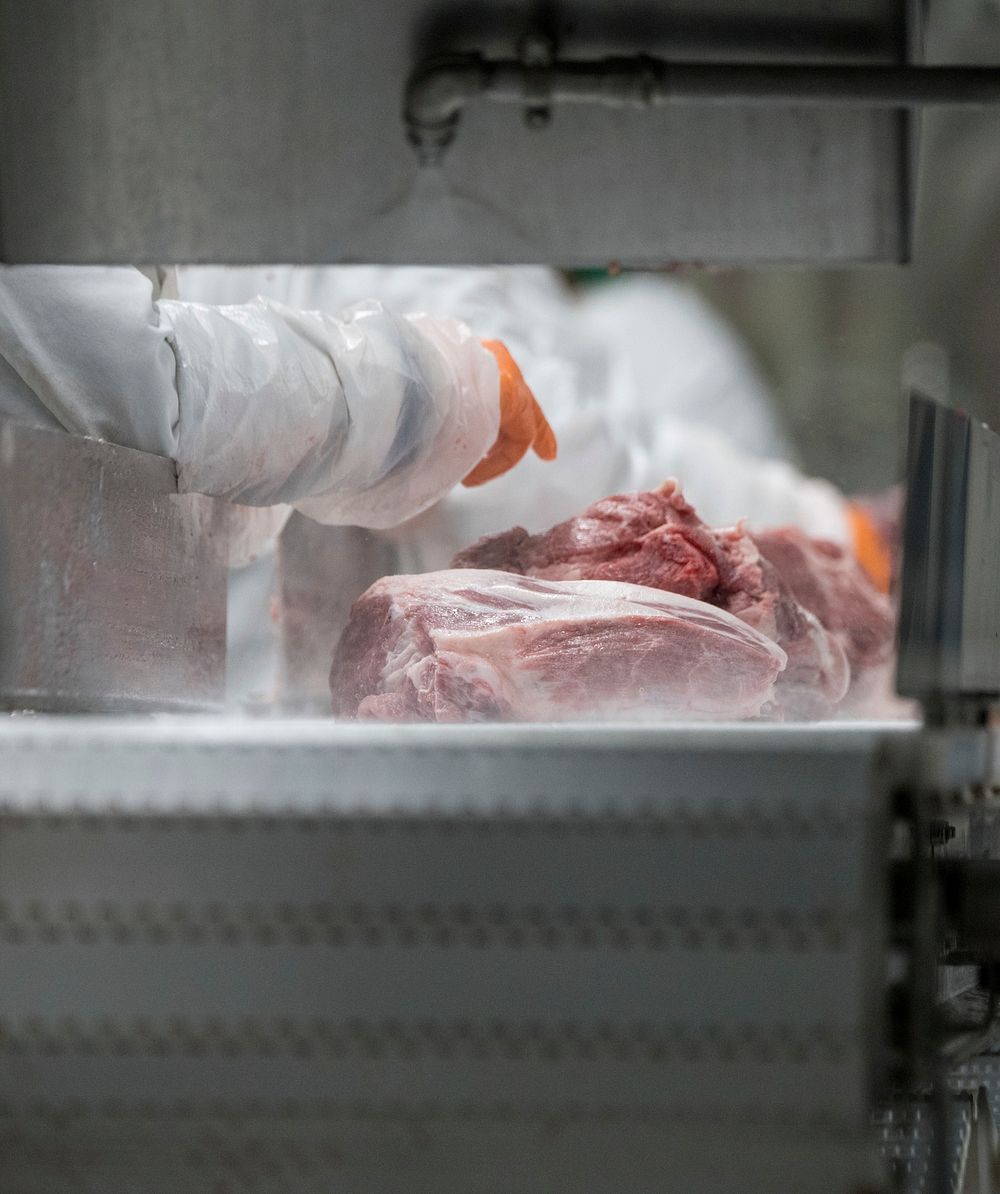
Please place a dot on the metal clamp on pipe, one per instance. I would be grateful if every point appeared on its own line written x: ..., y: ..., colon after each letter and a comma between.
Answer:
x: 439, y: 90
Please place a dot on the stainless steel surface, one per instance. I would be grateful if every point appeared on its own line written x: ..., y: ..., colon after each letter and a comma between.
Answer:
x: 907, y: 1142
x: 982, y: 1174
x: 982, y: 1078
x: 322, y: 570
x: 906, y: 1137
x: 112, y: 586
x: 302, y: 1149
x: 248, y: 132
x: 971, y: 889
x: 432, y: 958
x: 949, y: 622
x: 939, y: 1135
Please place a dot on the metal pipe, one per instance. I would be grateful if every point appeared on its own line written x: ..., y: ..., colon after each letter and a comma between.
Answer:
x: 435, y: 96
x: 438, y: 92
x: 823, y: 85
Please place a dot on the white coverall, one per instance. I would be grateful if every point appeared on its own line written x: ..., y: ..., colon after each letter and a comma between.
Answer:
x: 639, y: 380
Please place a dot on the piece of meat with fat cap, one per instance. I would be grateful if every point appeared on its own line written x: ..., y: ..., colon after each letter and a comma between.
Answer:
x: 477, y: 645
x: 829, y: 582
x: 657, y: 539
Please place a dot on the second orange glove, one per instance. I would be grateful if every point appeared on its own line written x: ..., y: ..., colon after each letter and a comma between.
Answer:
x: 522, y: 424
x: 870, y: 547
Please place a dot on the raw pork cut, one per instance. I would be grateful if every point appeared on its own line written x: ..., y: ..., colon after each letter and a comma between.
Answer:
x: 657, y: 539
x: 830, y: 583
x: 474, y: 645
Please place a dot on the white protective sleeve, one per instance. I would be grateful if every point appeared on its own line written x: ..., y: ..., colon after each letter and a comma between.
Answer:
x: 359, y: 419
x: 364, y: 419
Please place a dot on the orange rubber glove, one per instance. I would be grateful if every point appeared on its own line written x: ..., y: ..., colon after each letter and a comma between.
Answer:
x: 871, y: 549
x: 522, y: 424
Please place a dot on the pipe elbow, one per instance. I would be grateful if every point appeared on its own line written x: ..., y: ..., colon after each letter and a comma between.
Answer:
x: 435, y: 96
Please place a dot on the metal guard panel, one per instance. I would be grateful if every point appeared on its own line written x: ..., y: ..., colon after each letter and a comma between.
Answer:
x: 570, y: 954
x: 949, y: 622
x: 112, y: 585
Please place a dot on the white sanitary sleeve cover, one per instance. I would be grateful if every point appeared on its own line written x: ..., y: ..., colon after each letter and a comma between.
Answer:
x: 364, y: 418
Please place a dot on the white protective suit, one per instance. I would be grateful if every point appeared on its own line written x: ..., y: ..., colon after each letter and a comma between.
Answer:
x: 639, y: 379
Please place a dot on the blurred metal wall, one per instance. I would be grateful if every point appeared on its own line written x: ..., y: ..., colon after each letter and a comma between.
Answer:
x: 247, y: 131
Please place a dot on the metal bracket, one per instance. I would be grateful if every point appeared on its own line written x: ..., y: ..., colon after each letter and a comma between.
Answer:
x: 538, y: 53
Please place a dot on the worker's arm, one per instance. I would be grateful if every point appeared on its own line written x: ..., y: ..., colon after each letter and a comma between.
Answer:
x: 366, y: 418
x: 358, y: 419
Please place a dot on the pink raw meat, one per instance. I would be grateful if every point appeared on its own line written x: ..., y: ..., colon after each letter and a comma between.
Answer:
x: 830, y: 583
x: 475, y: 645
x: 657, y: 539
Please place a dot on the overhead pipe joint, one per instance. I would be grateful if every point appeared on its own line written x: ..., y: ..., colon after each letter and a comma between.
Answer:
x: 439, y: 90
x: 436, y: 94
